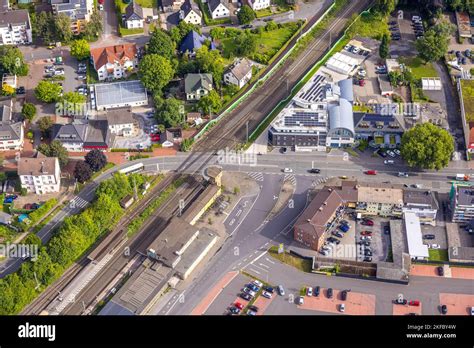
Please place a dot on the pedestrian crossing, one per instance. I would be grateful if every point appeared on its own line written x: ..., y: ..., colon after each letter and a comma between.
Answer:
x: 256, y: 176
x: 319, y: 181
x: 78, y: 202
x: 291, y: 178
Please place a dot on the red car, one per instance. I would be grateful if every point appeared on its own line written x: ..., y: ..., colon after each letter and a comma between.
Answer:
x: 367, y: 222
x: 366, y: 233
x: 371, y: 172
x: 362, y: 82
x: 239, y: 305
x: 414, y: 303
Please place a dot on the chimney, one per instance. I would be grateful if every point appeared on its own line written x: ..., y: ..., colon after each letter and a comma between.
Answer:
x: 42, y: 168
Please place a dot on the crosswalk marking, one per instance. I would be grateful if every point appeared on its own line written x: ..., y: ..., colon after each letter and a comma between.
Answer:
x: 291, y: 178
x: 78, y: 202
x: 256, y: 176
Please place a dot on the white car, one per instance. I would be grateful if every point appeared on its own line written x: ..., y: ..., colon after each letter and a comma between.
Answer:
x: 257, y: 283
x: 309, y: 291
x: 388, y: 162
x: 397, y: 152
x: 362, y: 73
x: 342, y: 307
x: 355, y: 50
x: 287, y: 170
x: 101, y: 7
x: 266, y: 294
x: 348, y: 47
x: 403, y: 174
x: 391, y: 153
x: 472, y: 310
x: 366, y: 238
x: 434, y: 246
x: 250, y: 292
x: 59, y: 72
x: 300, y: 300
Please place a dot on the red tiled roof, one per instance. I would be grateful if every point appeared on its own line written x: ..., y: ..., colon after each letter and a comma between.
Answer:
x: 111, y: 54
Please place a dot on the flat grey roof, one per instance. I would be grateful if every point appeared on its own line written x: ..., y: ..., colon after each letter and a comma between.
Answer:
x: 120, y: 93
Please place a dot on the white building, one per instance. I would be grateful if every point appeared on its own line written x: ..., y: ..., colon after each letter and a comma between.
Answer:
x: 342, y: 63
x: 114, y: 62
x: 40, y: 175
x: 422, y: 203
x: 120, y: 95
x: 133, y: 16
x: 190, y: 13
x: 121, y: 122
x: 416, y: 249
x: 11, y: 132
x: 239, y: 73
x: 258, y: 4
x: 219, y: 9
x: 15, y: 28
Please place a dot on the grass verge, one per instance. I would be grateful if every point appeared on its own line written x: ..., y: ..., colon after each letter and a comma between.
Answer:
x: 297, y: 262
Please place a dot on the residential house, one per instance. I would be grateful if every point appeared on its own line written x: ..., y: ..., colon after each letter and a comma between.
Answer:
x: 167, y: 139
x: 462, y: 203
x: 218, y: 9
x: 197, y: 86
x: 239, y: 73
x: 190, y: 13
x: 192, y: 42
x: 11, y: 132
x: 40, y: 175
x: 15, y: 28
x: 78, y: 137
x: 376, y: 199
x: 171, y: 5
x: 114, y: 62
x: 384, y: 130
x: 422, y: 203
x: 258, y: 4
x: 78, y: 11
x: 121, y: 122
x: 133, y: 18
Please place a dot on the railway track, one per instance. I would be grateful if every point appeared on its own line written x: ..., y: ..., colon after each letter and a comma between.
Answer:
x: 102, y: 247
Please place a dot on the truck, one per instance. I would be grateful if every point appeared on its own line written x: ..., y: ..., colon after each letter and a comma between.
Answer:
x: 462, y: 177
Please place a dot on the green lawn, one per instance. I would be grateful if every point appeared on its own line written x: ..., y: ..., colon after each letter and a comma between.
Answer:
x: 301, y: 264
x: 263, y: 12
x: 120, y: 6
x: 267, y: 42
x: 124, y: 31
x: 438, y: 254
x: 147, y: 3
x: 418, y: 68
x: 370, y: 25
x: 467, y: 87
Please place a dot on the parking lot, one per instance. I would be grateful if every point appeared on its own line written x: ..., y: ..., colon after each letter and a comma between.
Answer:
x: 457, y: 304
x: 379, y: 241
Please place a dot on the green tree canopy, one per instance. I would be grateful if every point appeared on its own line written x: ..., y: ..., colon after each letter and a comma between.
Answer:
x: 210, y: 103
x: 161, y: 43
x: 28, y: 111
x: 48, y: 91
x: 427, y: 146
x: 386, y: 6
x: 246, y: 44
x: 170, y: 112
x: 82, y: 171
x: 63, y: 27
x: 434, y: 45
x: 155, y: 72
x: 45, y: 124
x: 210, y: 61
x: 55, y: 149
x: 245, y: 15
x: 384, y: 47
x: 12, y: 61
x: 80, y: 49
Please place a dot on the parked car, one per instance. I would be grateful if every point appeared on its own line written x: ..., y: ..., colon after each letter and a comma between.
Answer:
x: 367, y: 222
x: 386, y: 229
x: 444, y: 309
x: 429, y: 236
x: 440, y: 271
x: 253, y: 308
x: 368, y: 237
x: 344, y: 294
x: 266, y: 294
x: 287, y: 170
x: 251, y: 312
x: 300, y: 300
x: 366, y: 233
x: 344, y: 228
x: 269, y: 289
x: 314, y: 171
x: 239, y: 305
x: 329, y: 292
x: 382, y: 153
x: 403, y: 174
x: 400, y: 301
x: 342, y: 307
x: 309, y: 291
x: 20, y: 90
x: 257, y: 283
x: 250, y: 292
x: 434, y: 246
x: 281, y: 291
x: 367, y: 259
x: 388, y: 162
x: 338, y: 234
x: 253, y: 287
x: 415, y: 303
x: 371, y: 172
x: 317, y: 290
x: 245, y: 296
x: 234, y: 310
x: 391, y: 153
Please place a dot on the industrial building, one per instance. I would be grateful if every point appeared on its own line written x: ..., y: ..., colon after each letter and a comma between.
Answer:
x: 416, y: 249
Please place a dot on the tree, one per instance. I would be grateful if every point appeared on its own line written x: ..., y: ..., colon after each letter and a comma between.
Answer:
x: 245, y: 15
x: 82, y: 171
x: 161, y: 43
x: 246, y: 44
x: 210, y: 103
x: 80, y: 49
x: 384, y: 47
x: 271, y: 25
x: 94, y: 27
x: 45, y: 124
x: 12, y: 61
x: 48, y: 92
x: 434, y: 45
x: 211, y: 61
x: 155, y: 72
x: 44, y: 27
x: 74, y: 98
x: 386, y: 6
x: 28, y: 111
x: 96, y: 160
x: 427, y: 146
x: 55, y: 149
x: 63, y: 28
x: 170, y: 112
x: 178, y: 32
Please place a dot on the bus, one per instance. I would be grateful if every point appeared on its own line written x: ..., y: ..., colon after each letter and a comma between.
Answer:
x: 135, y: 168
